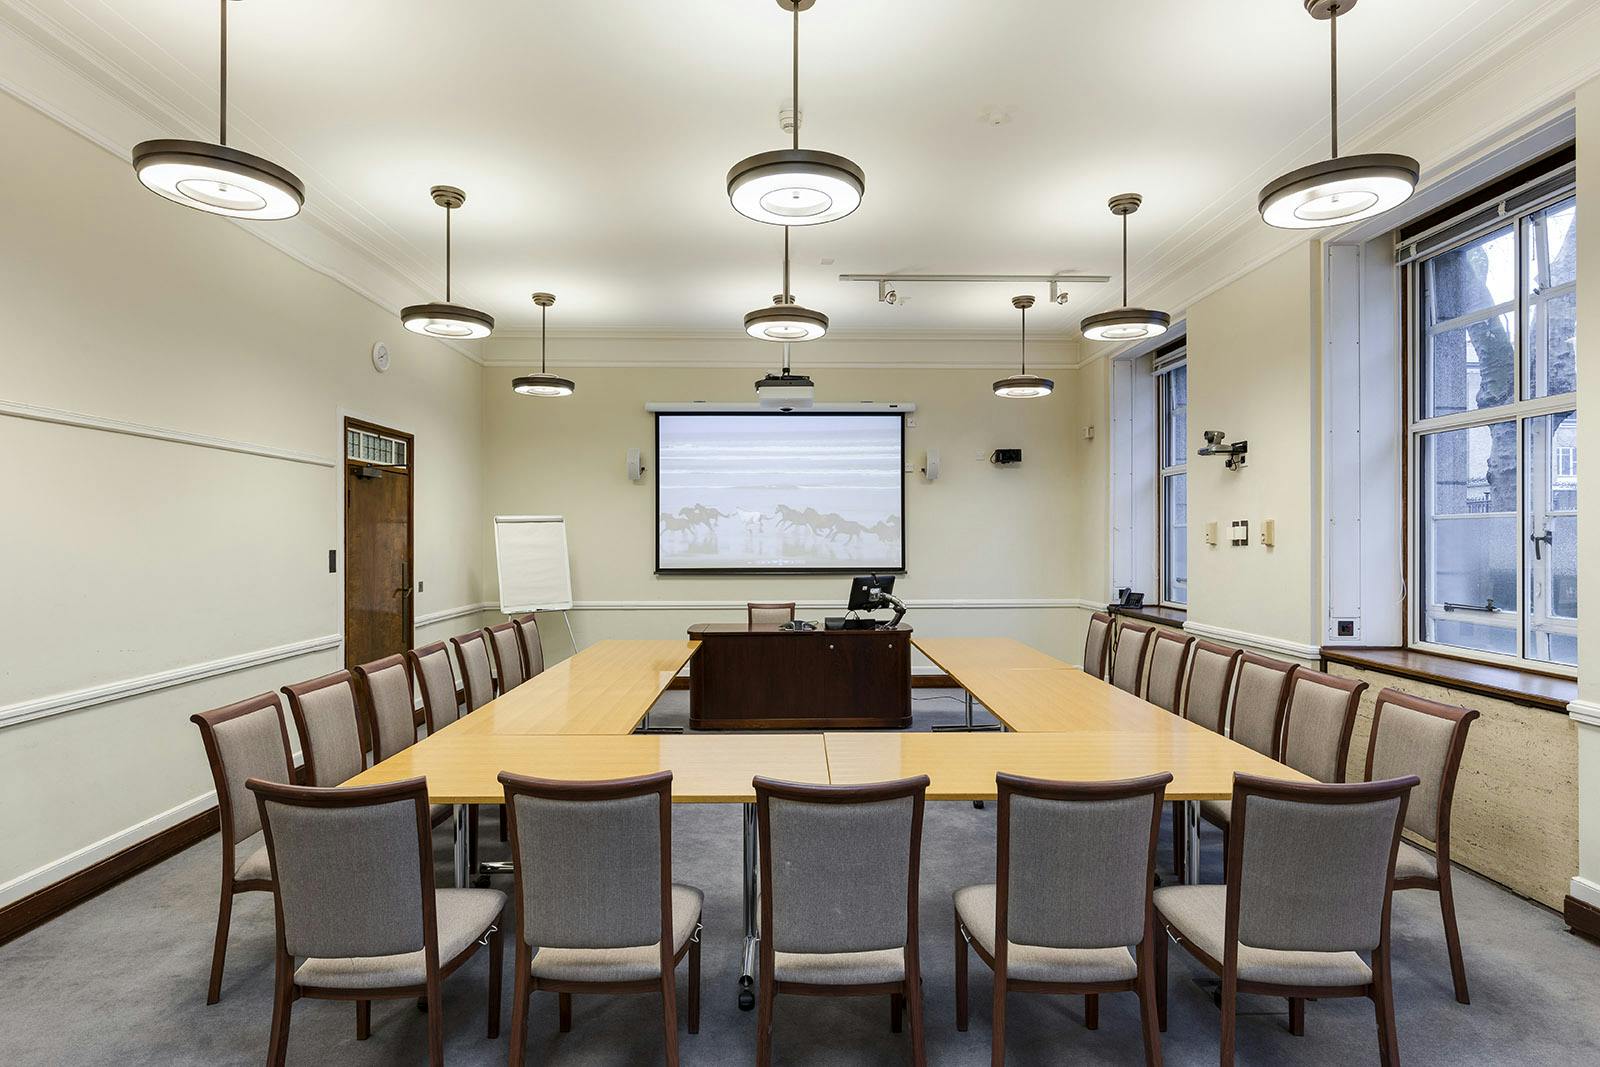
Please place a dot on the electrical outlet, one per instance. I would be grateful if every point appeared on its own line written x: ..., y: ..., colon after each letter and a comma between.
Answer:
x: 1346, y: 627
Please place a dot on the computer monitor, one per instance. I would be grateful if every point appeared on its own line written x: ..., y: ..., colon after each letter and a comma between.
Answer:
x: 861, y: 591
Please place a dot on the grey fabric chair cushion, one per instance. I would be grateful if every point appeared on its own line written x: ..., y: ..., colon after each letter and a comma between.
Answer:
x: 768, y: 616
x: 1128, y: 659
x: 1316, y: 721
x: 1414, y: 742
x: 465, y: 915
x: 840, y: 968
x: 839, y: 875
x: 475, y: 671
x: 629, y: 964
x: 1079, y: 871
x: 250, y: 746
x: 1218, y: 811
x: 254, y: 863
x: 392, y: 710
x: 439, y: 684
x: 1166, y: 675
x: 532, y: 646
x: 330, y: 714
x: 508, y: 653
x: 1255, y: 706
x: 1208, y: 690
x: 975, y: 906
x: 1199, y: 914
x: 1412, y: 862
x: 1094, y: 647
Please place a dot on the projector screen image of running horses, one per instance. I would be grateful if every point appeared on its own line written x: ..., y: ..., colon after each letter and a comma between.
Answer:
x: 780, y: 492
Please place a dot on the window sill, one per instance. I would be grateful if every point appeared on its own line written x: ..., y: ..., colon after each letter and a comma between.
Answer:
x: 1153, y: 613
x: 1490, y: 679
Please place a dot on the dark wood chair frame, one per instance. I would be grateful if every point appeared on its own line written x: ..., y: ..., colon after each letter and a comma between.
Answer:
x: 1144, y: 633
x: 459, y: 643
x: 1179, y: 858
x: 1183, y: 664
x: 1144, y: 983
x: 286, y: 991
x: 207, y: 721
x: 1098, y: 669
x: 905, y: 997
x: 301, y: 689
x: 1440, y: 883
x: 414, y: 657
x: 525, y: 625
x: 1353, y: 689
x: 666, y: 985
x: 494, y: 651
x: 1380, y: 990
x: 1288, y: 670
x: 750, y: 609
x: 368, y: 707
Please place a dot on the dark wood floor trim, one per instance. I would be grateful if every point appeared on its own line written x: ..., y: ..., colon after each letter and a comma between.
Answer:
x: 1529, y: 688
x: 1582, y: 918
x: 45, y: 904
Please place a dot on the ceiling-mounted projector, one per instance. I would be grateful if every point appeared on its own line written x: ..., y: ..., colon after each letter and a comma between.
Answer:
x: 786, y: 392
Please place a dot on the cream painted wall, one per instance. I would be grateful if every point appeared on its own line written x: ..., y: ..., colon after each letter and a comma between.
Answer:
x: 127, y: 557
x: 1586, y: 886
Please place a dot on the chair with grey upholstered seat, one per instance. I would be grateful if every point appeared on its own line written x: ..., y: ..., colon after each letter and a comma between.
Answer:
x: 1412, y: 735
x: 358, y: 916
x: 1255, y: 719
x: 1318, y: 721
x: 477, y: 679
x: 773, y: 614
x: 1169, y: 655
x: 383, y: 692
x: 1305, y: 911
x: 1212, y: 668
x: 506, y: 644
x: 532, y: 646
x: 1127, y: 662
x: 242, y: 741
x: 437, y: 681
x: 597, y: 910
x: 1070, y: 908
x: 1097, y: 644
x: 330, y: 729
x: 839, y: 879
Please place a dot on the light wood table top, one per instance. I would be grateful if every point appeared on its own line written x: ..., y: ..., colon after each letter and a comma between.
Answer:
x: 962, y: 766
x: 958, y: 656
x: 1053, y: 701
x: 707, y: 769
x: 604, y: 689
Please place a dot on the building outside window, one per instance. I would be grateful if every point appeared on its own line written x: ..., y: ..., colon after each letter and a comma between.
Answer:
x: 1172, y: 393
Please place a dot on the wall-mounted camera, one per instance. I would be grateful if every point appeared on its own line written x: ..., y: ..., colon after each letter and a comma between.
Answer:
x: 1235, y: 452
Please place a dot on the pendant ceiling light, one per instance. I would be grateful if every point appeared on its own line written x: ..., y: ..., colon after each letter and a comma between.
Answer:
x: 795, y: 186
x: 544, y: 383
x: 1125, y: 323
x: 1339, y: 189
x: 216, y: 178
x: 1023, y: 386
x: 450, y: 321
x: 785, y: 320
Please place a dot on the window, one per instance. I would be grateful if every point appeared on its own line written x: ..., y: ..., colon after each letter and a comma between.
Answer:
x: 1494, y: 435
x: 1172, y: 393
x: 367, y: 447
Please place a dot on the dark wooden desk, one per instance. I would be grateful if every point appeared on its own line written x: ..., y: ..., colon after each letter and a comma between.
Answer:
x: 760, y: 677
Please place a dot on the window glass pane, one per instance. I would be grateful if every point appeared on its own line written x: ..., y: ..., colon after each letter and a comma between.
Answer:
x: 1552, y: 558
x: 1175, y: 390
x: 1468, y: 299
x: 1174, y: 538
x: 1469, y: 530
x: 1551, y: 271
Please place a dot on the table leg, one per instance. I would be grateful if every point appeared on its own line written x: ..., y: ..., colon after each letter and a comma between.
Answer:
x: 1191, y: 835
x: 461, y: 836
x: 752, y: 932
x: 968, y: 724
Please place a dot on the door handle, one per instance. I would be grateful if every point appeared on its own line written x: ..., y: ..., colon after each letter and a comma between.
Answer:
x: 405, y: 580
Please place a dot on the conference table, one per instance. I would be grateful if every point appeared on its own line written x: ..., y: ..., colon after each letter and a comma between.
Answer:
x: 575, y: 721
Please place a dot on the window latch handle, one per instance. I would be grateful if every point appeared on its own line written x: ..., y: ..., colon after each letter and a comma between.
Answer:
x: 1547, y: 538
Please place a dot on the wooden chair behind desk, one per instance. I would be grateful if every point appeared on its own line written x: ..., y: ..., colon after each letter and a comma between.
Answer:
x: 772, y: 614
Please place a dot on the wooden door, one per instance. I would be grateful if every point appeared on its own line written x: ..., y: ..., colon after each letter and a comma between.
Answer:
x: 377, y: 542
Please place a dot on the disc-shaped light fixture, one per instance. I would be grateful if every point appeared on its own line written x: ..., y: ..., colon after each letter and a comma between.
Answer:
x: 216, y: 178
x: 544, y: 383
x: 450, y: 322
x: 1340, y: 189
x: 1125, y: 323
x: 795, y: 186
x: 785, y: 320
x: 1023, y: 386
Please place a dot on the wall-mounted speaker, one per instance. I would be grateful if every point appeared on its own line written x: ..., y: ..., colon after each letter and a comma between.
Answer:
x: 930, y: 465
x: 635, y: 465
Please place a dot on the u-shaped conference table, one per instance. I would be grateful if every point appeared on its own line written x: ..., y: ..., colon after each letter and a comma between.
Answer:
x: 576, y: 721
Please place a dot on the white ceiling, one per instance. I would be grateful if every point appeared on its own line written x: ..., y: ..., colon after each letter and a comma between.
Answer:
x: 593, y: 138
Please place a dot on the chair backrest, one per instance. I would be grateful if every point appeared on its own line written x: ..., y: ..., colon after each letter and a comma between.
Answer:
x: 1311, y: 866
x: 383, y: 688
x: 593, y: 861
x: 1259, y: 696
x: 1076, y: 861
x: 532, y: 646
x: 1097, y: 644
x: 1169, y: 655
x: 1318, y: 721
x: 243, y: 741
x: 437, y: 680
x: 354, y: 869
x: 839, y: 865
x: 326, y: 718
x: 473, y: 652
x: 1205, y: 694
x: 507, y: 646
x: 1411, y: 735
x: 1127, y: 662
x: 771, y: 614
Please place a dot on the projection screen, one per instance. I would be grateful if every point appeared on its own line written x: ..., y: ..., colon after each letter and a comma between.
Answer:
x: 780, y: 492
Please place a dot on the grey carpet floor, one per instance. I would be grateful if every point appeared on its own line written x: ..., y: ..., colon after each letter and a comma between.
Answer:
x: 121, y: 980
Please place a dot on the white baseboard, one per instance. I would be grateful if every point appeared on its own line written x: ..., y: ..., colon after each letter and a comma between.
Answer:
x: 1585, y: 890
x: 1586, y: 712
x: 1275, y: 645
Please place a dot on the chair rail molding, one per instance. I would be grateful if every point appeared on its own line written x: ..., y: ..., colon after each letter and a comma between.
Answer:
x: 60, y: 417
x: 1257, y: 641
x: 433, y: 618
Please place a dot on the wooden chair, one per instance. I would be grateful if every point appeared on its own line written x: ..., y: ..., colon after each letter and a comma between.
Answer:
x: 1411, y: 735
x: 383, y: 692
x: 1255, y: 720
x: 1127, y: 662
x: 1169, y: 655
x: 242, y: 741
x: 769, y: 614
x: 437, y: 680
x: 507, y: 646
x: 357, y: 912
x: 326, y: 718
x: 1205, y: 700
x: 836, y: 864
x: 1318, y: 722
x: 532, y: 646
x: 1097, y: 644
x: 476, y: 678
x: 1295, y: 921
x: 1054, y: 923
x: 597, y: 910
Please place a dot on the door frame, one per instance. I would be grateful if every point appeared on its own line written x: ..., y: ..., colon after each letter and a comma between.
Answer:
x: 349, y: 422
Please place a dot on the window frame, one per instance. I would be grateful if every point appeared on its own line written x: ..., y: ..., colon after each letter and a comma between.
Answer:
x: 1171, y: 361
x: 1522, y: 411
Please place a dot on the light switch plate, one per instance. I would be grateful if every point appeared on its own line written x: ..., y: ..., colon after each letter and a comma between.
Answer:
x: 1211, y: 533
x: 1269, y: 532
